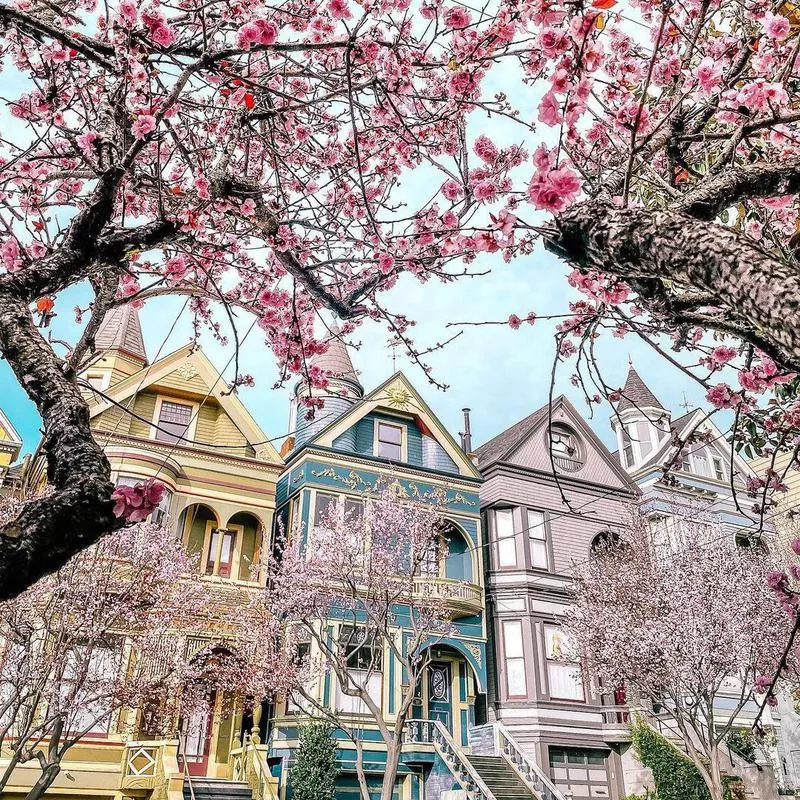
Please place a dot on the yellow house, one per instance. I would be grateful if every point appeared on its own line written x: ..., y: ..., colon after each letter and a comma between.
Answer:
x: 177, y: 421
x: 10, y: 445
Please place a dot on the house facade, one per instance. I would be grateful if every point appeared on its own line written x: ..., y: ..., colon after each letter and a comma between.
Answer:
x: 551, y: 491
x: 358, y: 443
x: 175, y: 421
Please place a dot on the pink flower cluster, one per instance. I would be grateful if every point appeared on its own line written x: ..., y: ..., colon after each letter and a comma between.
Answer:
x: 259, y: 31
x: 555, y: 189
x: 137, y: 503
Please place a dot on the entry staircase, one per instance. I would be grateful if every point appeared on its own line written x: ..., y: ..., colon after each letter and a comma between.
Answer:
x: 507, y: 774
x: 215, y: 789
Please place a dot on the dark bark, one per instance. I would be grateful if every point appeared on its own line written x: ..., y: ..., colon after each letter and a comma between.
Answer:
x: 78, y: 511
x: 646, y: 248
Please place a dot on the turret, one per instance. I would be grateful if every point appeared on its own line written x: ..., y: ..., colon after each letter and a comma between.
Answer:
x: 641, y: 422
x: 343, y: 391
x: 119, y: 348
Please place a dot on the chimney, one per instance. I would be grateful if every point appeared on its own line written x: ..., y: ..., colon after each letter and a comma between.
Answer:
x: 466, y: 437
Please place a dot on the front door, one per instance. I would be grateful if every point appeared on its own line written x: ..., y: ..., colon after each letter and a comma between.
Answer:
x: 440, y: 700
x: 196, y: 729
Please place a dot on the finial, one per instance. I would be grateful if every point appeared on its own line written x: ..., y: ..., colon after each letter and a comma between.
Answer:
x: 685, y: 405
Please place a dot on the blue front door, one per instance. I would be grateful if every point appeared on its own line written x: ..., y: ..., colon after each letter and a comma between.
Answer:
x: 440, y: 700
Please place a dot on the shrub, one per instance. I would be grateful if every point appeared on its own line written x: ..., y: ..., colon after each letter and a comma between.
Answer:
x: 313, y: 776
x: 675, y: 776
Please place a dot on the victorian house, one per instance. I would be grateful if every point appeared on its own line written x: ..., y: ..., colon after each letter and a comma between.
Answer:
x: 551, y: 492
x: 176, y: 421
x: 357, y: 442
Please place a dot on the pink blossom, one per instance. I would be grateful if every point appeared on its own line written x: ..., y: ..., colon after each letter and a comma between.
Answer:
x: 709, y: 74
x: 776, y: 26
x: 10, y: 255
x: 144, y: 124
x: 259, y: 31
x: 550, y: 110
x: 457, y: 17
x: 136, y: 503
x: 485, y: 191
x: 514, y: 322
x: 722, y: 396
x: 452, y: 190
x: 486, y: 149
x: 338, y: 9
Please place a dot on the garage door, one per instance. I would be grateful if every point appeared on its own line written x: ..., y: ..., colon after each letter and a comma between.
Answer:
x: 583, y: 772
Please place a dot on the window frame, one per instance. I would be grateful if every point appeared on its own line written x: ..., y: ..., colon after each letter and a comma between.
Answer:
x: 402, y: 445
x: 716, y: 461
x: 544, y: 526
x: 234, y: 563
x: 189, y: 436
x: 555, y: 662
x: 370, y: 672
x: 499, y: 540
x: 507, y: 659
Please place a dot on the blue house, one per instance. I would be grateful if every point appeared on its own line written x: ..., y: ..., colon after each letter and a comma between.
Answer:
x: 356, y: 443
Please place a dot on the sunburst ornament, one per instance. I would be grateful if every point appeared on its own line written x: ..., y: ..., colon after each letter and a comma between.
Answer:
x: 399, y: 397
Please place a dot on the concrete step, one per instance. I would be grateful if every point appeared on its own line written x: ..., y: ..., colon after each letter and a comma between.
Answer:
x: 216, y: 789
x: 500, y: 778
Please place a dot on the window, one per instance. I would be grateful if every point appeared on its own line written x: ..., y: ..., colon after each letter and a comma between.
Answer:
x: 364, y: 668
x: 537, y: 537
x: 220, y: 553
x: 563, y: 672
x: 86, y: 688
x: 173, y: 421
x: 97, y: 380
x: 686, y: 463
x: 627, y: 447
x: 506, y: 543
x: 390, y: 440
x: 701, y: 465
x: 645, y: 440
x: 565, y: 448
x: 719, y: 469
x: 514, y: 651
x: 323, y: 508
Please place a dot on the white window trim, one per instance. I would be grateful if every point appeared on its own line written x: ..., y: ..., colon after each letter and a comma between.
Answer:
x: 506, y: 657
x: 512, y: 538
x: 190, y: 431
x: 403, y: 428
x: 546, y: 539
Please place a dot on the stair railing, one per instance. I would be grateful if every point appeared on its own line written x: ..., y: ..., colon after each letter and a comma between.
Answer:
x: 530, y: 772
x: 186, y: 775
x: 432, y: 731
x: 261, y: 775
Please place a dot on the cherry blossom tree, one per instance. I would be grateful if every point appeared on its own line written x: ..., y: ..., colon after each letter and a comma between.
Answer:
x: 680, y: 623
x: 268, y: 160
x: 373, y: 571
x: 101, y: 645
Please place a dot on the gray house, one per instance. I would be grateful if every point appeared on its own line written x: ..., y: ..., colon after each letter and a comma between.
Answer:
x: 552, y: 490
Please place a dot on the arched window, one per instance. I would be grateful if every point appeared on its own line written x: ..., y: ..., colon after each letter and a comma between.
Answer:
x: 457, y: 554
x: 605, y: 542
x: 566, y: 447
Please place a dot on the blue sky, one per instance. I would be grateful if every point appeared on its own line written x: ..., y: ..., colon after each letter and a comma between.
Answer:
x: 501, y: 374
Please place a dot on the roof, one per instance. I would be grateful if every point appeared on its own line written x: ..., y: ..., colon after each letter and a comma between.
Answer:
x: 496, y: 449
x: 335, y: 361
x: 635, y: 394
x: 121, y: 330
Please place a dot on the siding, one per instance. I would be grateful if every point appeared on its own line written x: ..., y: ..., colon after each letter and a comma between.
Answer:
x: 570, y: 533
x: 144, y: 407
x: 193, y: 384
x: 534, y: 454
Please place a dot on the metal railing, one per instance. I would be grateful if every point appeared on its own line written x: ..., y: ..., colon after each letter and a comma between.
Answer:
x: 530, y: 772
x: 431, y: 731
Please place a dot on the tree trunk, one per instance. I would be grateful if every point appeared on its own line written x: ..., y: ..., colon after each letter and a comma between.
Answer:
x: 78, y: 511
x: 45, y: 781
x: 392, y: 762
x: 641, y: 246
x: 717, y: 786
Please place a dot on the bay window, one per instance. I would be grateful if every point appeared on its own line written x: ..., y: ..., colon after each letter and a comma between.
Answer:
x: 537, y: 538
x: 514, y: 653
x: 564, y: 675
x: 506, y: 541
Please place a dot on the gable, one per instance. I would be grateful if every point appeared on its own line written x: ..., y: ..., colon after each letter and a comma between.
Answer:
x: 426, y: 442
x: 596, y: 463
x: 221, y: 418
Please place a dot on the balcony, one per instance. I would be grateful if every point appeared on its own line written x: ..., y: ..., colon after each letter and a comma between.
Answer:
x: 465, y: 599
x: 566, y: 463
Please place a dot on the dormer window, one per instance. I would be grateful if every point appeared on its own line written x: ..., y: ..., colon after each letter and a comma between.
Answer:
x: 566, y: 448
x: 719, y: 468
x: 390, y: 441
x: 173, y: 422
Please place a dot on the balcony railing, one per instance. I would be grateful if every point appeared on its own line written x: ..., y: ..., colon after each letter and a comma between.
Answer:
x: 467, y: 596
x: 566, y: 463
